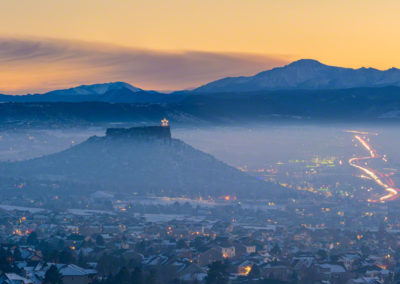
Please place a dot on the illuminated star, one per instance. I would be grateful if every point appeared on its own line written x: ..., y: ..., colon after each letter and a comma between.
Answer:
x: 164, y: 122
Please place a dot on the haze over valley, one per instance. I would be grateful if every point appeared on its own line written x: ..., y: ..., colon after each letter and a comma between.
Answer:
x: 186, y: 142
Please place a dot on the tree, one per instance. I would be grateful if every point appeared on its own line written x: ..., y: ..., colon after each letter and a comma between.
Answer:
x: 137, y: 276
x: 275, y: 250
x: 322, y: 254
x: 217, y: 273
x: 197, y: 243
x: 123, y: 276
x: 99, y: 240
x: 51, y: 255
x: 53, y: 276
x: 103, y: 264
x: 60, y: 244
x: 151, y: 277
x: 4, y: 263
x: 81, y: 260
x: 66, y: 256
x: 17, y: 254
x: 32, y: 239
x: 107, y: 264
x: 396, y: 278
x: 140, y: 247
x: 255, y: 272
x: 294, y: 277
x: 181, y: 244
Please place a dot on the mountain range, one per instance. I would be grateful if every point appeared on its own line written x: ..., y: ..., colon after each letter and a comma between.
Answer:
x: 306, y: 74
x: 114, y: 92
x: 302, y: 90
x: 95, y: 89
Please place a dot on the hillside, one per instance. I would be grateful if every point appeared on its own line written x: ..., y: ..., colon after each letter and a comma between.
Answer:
x: 145, y: 164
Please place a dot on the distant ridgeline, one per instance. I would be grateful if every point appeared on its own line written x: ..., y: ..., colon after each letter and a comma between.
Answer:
x: 142, y: 133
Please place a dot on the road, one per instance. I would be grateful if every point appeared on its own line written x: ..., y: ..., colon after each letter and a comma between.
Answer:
x: 379, y: 178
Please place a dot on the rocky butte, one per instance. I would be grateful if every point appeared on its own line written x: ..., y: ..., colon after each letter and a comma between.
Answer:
x: 141, y: 133
x: 140, y: 160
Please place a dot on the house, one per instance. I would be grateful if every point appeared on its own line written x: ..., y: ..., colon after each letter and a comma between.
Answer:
x: 278, y: 272
x: 241, y: 249
x: 364, y: 280
x: 333, y: 272
x: 244, y: 268
x: 349, y: 260
x: 228, y: 252
x: 250, y: 249
x: 12, y: 278
x: 192, y: 272
x: 209, y: 256
x: 73, y: 274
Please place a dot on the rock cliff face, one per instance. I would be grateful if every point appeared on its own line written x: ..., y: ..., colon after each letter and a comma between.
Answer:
x: 141, y: 133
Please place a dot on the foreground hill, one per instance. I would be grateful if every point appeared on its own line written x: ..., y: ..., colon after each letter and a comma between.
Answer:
x: 306, y: 74
x: 142, y: 160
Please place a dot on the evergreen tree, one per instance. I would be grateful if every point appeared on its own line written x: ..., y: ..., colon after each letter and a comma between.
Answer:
x: 17, y: 254
x: 255, y: 272
x: 99, y: 240
x: 81, y: 260
x: 181, y: 244
x: 53, y: 276
x: 66, y: 256
x: 123, y: 276
x: 322, y: 254
x: 4, y: 263
x: 32, y: 239
x: 275, y: 250
x: 137, y: 276
x: 107, y: 264
x: 217, y: 273
x: 151, y: 277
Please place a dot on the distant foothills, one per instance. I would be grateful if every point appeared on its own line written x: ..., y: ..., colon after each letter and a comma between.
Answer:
x: 303, y: 90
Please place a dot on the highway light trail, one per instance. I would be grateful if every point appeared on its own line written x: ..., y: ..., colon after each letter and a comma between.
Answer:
x: 379, y: 178
x: 360, y: 132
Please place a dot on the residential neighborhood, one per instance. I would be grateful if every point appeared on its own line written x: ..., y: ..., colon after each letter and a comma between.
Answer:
x: 137, y: 241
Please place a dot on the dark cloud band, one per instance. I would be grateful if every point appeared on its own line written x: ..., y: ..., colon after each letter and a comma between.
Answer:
x: 148, y: 69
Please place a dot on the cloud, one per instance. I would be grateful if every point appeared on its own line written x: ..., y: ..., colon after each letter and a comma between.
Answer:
x: 37, y: 65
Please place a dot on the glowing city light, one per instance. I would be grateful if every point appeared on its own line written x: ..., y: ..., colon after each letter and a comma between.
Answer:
x: 387, y: 184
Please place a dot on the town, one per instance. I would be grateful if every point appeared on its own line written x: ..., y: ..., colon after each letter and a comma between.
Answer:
x: 177, y: 240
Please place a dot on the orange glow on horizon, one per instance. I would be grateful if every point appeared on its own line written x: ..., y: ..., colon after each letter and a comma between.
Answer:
x: 347, y: 33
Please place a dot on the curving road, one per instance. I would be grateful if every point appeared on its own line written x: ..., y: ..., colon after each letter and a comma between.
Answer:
x: 381, y: 179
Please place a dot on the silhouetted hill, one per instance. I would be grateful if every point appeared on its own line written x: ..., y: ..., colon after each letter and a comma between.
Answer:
x: 356, y: 104
x: 306, y: 74
x: 351, y: 105
x: 146, y: 161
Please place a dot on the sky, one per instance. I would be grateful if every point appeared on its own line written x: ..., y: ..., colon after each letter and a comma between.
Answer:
x: 178, y: 44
